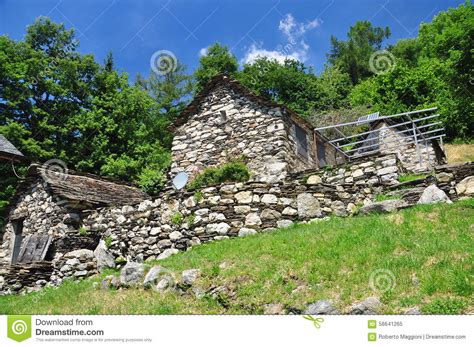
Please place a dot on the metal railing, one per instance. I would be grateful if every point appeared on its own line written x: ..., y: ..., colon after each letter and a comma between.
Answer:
x: 408, y: 130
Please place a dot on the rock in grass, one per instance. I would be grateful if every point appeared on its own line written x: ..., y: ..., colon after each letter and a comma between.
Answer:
x: 412, y: 311
x: 466, y: 187
x: 383, y: 206
x: 190, y: 276
x: 371, y: 305
x: 432, y: 194
x: 165, y: 283
x: 274, y: 309
x: 104, y: 258
x: 167, y: 253
x: 153, y: 276
x: 132, y: 274
x: 321, y: 307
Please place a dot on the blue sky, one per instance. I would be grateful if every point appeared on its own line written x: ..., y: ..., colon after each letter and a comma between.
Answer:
x: 134, y: 29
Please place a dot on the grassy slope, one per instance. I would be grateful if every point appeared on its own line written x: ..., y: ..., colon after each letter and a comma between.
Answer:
x: 459, y: 153
x: 299, y: 265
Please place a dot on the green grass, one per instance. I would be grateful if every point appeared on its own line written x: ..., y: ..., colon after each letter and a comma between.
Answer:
x: 384, y: 197
x: 302, y: 264
x: 411, y: 177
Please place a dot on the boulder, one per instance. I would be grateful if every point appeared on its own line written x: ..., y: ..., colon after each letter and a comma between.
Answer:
x: 308, y: 206
x: 103, y: 257
x: 190, y: 276
x: 167, y: 253
x: 465, y: 187
x: 383, y: 206
x: 153, y: 276
x: 132, y: 274
x: 321, y: 307
x: 371, y: 305
x: 166, y: 282
x: 432, y: 194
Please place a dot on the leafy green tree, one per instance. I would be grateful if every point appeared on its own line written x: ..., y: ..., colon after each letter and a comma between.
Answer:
x: 434, y: 69
x: 218, y: 59
x: 352, y: 56
x: 295, y: 84
x: 57, y: 103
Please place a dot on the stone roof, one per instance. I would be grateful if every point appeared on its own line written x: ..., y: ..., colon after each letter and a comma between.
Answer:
x: 8, y: 151
x: 83, y: 189
x: 224, y: 80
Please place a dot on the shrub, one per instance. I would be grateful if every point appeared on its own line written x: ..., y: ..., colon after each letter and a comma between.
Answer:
x: 233, y: 171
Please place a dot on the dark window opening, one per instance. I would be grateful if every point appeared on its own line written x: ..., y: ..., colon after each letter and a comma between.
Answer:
x: 18, y: 231
x: 321, y: 152
x: 301, y: 141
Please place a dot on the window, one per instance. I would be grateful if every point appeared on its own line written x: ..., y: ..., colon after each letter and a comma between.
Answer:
x: 321, y: 151
x: 301, y: 141
x: 18, y: 230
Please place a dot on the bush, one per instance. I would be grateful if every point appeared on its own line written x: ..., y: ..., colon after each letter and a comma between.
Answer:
x: 234, y: 171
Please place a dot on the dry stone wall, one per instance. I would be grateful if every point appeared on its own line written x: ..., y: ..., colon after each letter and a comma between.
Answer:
x: 179, y: 220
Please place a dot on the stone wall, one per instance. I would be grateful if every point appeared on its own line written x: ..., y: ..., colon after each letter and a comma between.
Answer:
x: 40, y: 213
x: 179, y: 220
x: 230, y: 125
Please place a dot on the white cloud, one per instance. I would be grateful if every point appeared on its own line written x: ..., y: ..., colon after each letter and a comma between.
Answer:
x: 203, y: 51
x: 293, y: 30
x: 255, y: 52
x: 295, y: 48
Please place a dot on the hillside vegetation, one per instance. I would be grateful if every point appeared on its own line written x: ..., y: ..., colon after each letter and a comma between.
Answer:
x: 459, y: 153
x: 428, y: 249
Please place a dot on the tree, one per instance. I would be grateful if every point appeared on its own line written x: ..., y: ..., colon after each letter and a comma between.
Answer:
x: 218, y: 59
x: 353, y: 56
x: 295, y: 84
x: 171, y: 91
x: 434, y: 69
x: 57, y: 103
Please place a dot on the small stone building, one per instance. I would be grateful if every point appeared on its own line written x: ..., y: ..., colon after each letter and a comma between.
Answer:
x: 45, y: 216
x: 391, y: 138
x: 226, y: 121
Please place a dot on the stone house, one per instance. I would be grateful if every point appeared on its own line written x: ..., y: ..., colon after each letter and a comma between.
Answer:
x: 390, y: 138
x: 46, y: 213
x: 8, y: 151
x: 225, y: 121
